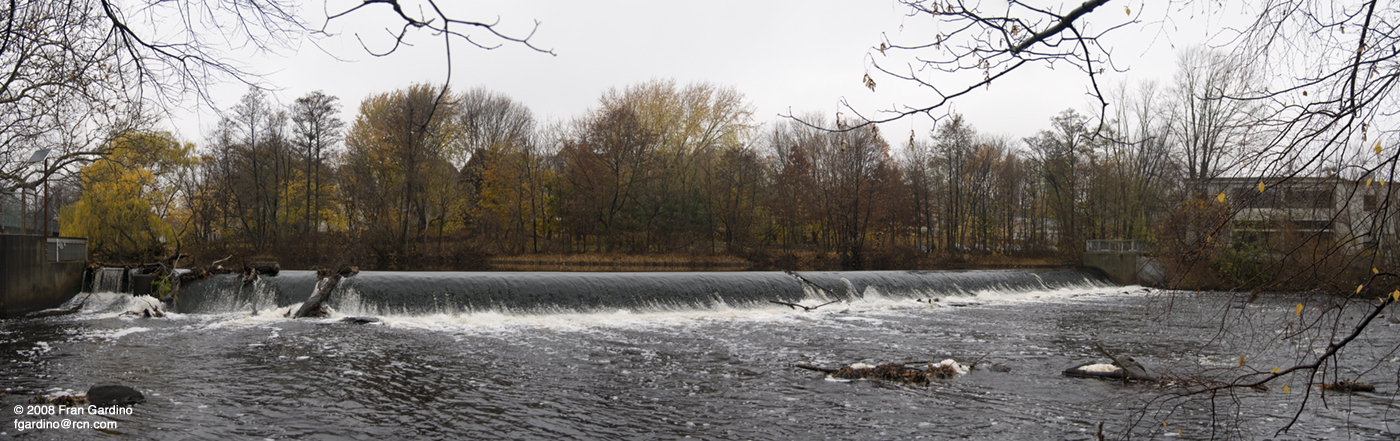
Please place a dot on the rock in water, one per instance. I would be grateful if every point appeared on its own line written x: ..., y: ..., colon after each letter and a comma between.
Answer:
x: 360, y: 320
x: 111, y: 395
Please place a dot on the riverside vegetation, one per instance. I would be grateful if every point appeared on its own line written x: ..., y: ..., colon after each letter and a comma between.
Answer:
x: 660, y: 176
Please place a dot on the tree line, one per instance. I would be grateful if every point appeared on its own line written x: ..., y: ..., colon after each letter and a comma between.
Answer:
x: 428, y: 176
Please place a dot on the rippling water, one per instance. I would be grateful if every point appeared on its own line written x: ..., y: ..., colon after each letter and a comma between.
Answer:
x: 715, y: 373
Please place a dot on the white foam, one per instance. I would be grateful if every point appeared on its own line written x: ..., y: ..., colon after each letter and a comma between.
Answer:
x: 113, y: 334
x: 957, y: 367
x: 1099, y: 367
x: 865, y: 311
x: 873, y: 310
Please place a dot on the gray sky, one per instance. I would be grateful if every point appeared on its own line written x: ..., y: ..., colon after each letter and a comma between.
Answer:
x: 783, y: 55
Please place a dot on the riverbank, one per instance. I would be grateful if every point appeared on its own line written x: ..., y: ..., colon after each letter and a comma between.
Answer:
x: 458, y: 259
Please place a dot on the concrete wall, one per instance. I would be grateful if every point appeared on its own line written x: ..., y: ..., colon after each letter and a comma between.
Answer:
x: 27, y: 282
x: 1121, y: 267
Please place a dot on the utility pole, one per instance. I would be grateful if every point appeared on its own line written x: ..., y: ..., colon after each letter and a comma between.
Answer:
x: 43, y: 155
x: 46, y: 196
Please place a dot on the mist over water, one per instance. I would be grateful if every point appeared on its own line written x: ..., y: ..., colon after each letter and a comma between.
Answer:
x: 718, y: 366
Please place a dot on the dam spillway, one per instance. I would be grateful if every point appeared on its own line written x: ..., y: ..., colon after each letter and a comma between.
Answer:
x: 411, y: 293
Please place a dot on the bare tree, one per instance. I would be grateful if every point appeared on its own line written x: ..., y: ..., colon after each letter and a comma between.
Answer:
x: 1329, y: 88
x: 62, y: 87
x: 1209, y: 121
x: 316, y: 130
x: 1060, y: 155
x: 77, y: 73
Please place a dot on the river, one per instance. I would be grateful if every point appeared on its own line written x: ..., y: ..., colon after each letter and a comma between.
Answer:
x: 713, y: 368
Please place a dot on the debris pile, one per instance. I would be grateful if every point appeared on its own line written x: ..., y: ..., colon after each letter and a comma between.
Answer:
x: 895, y: 372
x: 1348, y: 386
x: 61, y: 400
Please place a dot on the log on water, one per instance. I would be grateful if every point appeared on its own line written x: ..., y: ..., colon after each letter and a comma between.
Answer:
x: 314, y: 306
x: 1123, y: 367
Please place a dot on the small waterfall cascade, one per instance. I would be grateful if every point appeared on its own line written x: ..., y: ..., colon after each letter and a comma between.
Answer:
x: 109, y: 280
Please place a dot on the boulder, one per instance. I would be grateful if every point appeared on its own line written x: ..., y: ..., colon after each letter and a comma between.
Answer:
x: 114, y: 395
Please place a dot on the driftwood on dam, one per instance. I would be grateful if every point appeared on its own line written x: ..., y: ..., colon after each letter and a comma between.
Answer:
x: 315, y: 306
x: 249, y: 272
x: 850, y: 292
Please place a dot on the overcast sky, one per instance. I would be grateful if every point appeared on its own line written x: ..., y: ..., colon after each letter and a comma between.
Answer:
x: 785, y: 56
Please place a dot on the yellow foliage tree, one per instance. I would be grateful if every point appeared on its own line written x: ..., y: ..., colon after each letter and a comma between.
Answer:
x: 128, y: 195
x: 515, y: 191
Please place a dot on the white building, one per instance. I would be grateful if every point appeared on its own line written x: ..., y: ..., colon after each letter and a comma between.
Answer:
x: 1328, y: 210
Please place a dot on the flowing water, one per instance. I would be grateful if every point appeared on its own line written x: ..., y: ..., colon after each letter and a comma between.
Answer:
x: 667, y: 356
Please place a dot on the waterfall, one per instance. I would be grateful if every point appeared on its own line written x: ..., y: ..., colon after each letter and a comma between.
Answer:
x: 377, y: 293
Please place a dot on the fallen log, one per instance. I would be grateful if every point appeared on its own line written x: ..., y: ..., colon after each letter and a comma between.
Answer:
x: 315, y: 305
x: 850, y: 292
x: 312, y: 307
x: 1131, y: 367
x: 1122, y: 368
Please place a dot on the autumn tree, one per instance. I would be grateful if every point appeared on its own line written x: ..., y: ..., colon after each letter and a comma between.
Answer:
x: 606, y: 169
x: 1208, y: 121
x: 78, y: 73
x: 396, y: 168
x: 128, y: 208
x: 737, y: 189
x: 917, y: 165
x: 517, y: 190
x: 955, y: 144
x: 792, y: 200
x: 495, y: 131
x: 694, y: 126
x: 63, y: 87
x: 965, y: 191
x: 1140, y: 178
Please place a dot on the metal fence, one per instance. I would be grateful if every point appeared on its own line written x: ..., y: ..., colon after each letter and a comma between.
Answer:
x: 63, y: 249
x: 1116, y: 246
